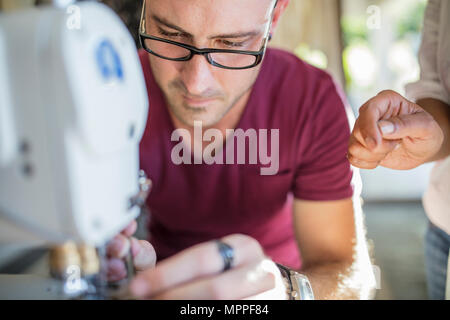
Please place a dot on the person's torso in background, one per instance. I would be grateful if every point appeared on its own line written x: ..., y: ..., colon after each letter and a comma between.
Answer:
x: 437, y: 197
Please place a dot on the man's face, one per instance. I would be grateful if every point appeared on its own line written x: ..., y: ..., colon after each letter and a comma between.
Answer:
x: 196, y: 90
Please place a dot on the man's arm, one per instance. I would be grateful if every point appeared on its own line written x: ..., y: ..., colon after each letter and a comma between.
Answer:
x: 441, y: 114
x: 333, y: 249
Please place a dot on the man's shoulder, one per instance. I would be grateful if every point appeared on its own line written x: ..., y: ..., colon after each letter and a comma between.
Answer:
x: 301, y: 92
x: 284, y: 57
x: 286, y: 63
x: 286, y: 75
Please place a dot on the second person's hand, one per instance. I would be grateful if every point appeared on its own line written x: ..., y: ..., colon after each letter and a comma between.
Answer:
x: 393, y: 132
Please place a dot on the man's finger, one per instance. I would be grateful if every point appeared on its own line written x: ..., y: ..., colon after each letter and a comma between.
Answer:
x: 198, y: 261
x: 415, y: 125
x: 116, y: 270
x: 366, y: 130
x: 362, y: 164
x: 144, y: 255
x: 130, y: 229
x: 238, y: 283
x: 118, y: 247
x: 358, y: 151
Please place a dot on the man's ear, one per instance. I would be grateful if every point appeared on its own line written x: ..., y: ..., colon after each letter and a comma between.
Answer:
x: 281, y: 6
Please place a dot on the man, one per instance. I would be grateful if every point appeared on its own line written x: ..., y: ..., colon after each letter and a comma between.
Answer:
x: 396, y: 133
x: 304, y: 206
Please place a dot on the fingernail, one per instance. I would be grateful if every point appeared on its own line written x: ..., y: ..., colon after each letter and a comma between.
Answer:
x: 386, y: 127
x: 145, y: 259
x: 370, y: 142
x: 139, y: 287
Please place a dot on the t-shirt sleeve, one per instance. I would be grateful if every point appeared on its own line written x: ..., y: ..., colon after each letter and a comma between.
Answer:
x: 323, y: 172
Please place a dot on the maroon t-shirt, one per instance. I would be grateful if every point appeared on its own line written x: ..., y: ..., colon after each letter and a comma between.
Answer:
x: 193, y: 203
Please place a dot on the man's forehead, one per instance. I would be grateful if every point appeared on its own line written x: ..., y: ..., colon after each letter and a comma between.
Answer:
x: 212, y: 17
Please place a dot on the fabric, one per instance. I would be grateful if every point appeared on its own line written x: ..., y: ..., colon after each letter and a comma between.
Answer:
x: 434, y: 59
x: 195, y: 203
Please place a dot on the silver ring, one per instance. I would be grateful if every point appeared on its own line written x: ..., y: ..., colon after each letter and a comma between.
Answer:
x: 227, y: 254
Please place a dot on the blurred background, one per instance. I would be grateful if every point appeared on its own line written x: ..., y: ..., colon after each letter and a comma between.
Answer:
x: 368, y: 46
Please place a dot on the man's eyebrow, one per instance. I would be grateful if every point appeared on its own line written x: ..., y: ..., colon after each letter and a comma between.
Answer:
x: 236, y: 35
x: 170, y: 25
x: 220, y: 36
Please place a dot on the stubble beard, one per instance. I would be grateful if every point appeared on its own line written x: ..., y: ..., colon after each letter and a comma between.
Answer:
x: 189, y: 121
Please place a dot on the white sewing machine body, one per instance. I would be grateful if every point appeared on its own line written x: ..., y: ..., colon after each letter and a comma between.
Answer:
x: 73, y: 108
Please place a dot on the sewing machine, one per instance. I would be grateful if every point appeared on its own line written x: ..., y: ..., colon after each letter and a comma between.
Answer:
x: 73, y: 108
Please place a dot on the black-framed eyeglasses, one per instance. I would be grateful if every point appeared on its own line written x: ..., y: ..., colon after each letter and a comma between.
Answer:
x: 177, y: 51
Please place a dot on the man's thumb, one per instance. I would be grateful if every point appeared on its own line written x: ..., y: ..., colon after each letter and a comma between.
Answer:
x: 414, y: 125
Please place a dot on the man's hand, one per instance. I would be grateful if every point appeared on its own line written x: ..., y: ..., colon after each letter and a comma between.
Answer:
x: 196, y: 273
x: 394, y: 133
x: 144, y: 255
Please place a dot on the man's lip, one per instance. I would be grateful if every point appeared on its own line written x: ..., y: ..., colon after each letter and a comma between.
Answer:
x: 197, y: 101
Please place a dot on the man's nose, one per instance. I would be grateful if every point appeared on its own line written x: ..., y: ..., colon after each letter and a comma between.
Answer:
x: 196, y: 75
